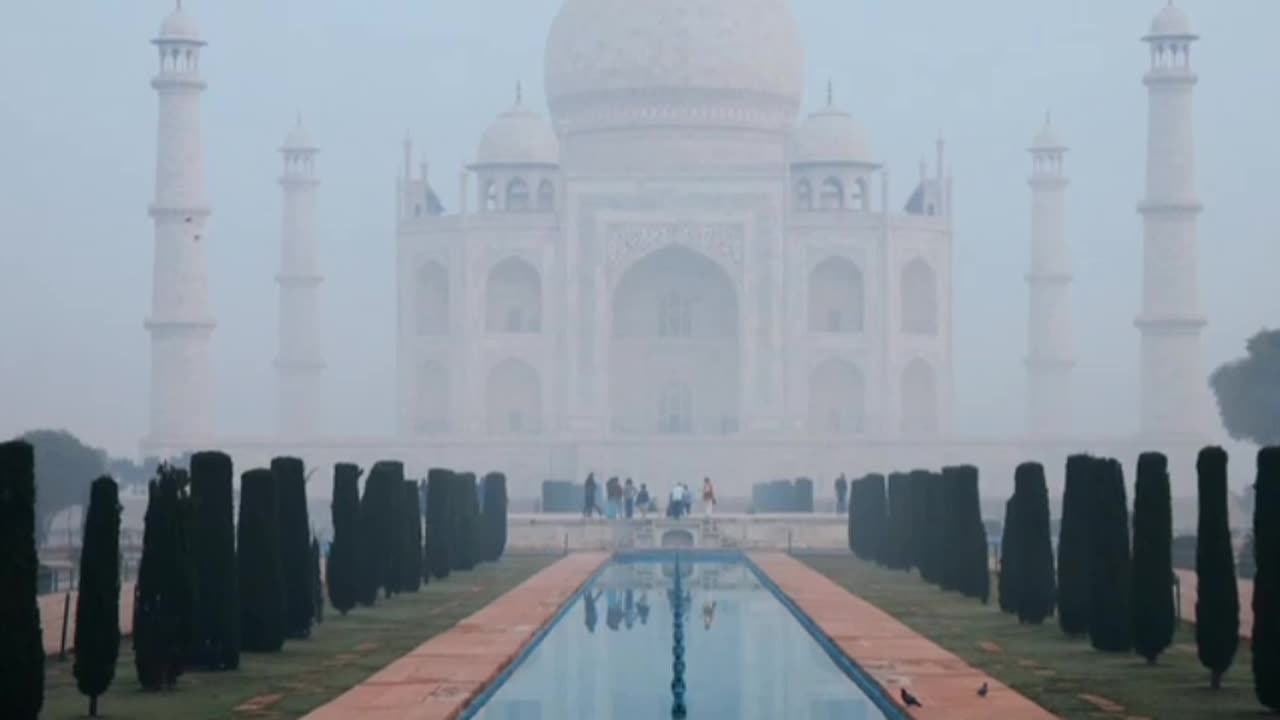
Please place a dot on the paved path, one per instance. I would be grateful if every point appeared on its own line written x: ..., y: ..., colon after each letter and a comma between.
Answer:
x: 1187, y: 591
x: 51, y: 608
x: 894, y: 655
x: 439, y: 678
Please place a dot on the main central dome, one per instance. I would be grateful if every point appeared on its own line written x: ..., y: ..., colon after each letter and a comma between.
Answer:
x: 734, y: 65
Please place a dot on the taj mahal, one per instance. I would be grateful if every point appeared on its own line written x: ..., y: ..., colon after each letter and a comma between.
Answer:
x: 680, y: 272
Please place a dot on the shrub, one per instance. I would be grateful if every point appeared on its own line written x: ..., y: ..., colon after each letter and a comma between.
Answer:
x: 1217, y: 594
x: 1074, y: 547
x: 98, y: 601
x: 294, y: 537
x: 22, y: 640
x: 1036, y: 588
x: 440, y: 512
x: 343, y: 563
x: 1154, y: 616
x: 495, y: 515
x: 1266, y: 584
x: 1110, y: 622
x: 263, y: 608
x: 803, y: 496
x: 215, y: 611
x: 162, y: 595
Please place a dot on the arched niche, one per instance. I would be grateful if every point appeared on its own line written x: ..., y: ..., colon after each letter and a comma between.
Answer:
x: 837, y: 297
x: 513, y: 298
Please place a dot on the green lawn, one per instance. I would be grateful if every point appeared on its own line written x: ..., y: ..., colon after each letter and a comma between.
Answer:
x: 308, y: 673
x: 1044, y: 665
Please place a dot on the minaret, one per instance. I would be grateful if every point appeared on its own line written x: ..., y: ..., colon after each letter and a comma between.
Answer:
x: 180, y: 322
x: 1172, y: 391
x: 299, y: 364
x: 1049, y: 338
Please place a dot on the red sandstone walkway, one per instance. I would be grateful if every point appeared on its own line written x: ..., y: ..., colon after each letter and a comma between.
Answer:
x: 894, y: 655
x: 1187, y: 592
x: 51, y: 609
x: 439, y: 678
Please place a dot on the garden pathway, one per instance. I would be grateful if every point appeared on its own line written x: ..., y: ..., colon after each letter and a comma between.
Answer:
x: 1187, y: 591
x: 51, y: 608
x: 894, y: 655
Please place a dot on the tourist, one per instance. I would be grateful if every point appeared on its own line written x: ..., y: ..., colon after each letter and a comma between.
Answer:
x: 676, y: 506
x: 629, y: 498
x: 842, y: 495
x: 589, y: 504
x: 629, y: 608
x: 643, y: 500
x: 613, y: 497
x: 589, y: 608
x: 708, y: 497
x: 708, y: 614
x: 687, y: 494
x: 613, y: 614
x: 642, y: 607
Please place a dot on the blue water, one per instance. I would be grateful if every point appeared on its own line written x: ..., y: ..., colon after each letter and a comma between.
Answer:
x: 609, y: 655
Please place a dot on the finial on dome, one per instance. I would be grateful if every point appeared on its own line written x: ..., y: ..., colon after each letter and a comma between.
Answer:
x: 519, y: 93
x: 831, y: 93
x: 299, y: 112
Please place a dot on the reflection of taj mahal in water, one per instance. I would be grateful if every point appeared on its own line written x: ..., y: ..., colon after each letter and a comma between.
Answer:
x: 678, y: 273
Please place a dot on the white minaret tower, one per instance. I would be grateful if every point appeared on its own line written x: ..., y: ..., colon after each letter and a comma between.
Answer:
x: 1172, y: 387
x: 299, y: 364
x: 180, y: 322
x: 1049, y: 337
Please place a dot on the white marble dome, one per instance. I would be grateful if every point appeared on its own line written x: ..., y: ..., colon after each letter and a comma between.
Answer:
x: 704, y: 59
x: 1172, y: 22
x: 519, y: 136
x: 831, y: 136
x: 179, y: 27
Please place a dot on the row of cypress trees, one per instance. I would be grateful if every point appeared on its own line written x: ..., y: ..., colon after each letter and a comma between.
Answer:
x: 924, y: 520
x: 1026, y: 581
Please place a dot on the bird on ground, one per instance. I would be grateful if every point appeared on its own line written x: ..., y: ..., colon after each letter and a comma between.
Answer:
x: 982, y: 691
x: 909, y: 700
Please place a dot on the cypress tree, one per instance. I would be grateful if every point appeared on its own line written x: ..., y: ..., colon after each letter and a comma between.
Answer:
x: 425, y: 568
x: 852, y: 525
x: 966, y: 563
x: 372, y: 530
x: 263, y: 608
x: 440, y: 522
x: 878, y: 518
x: 1154, y: 618
x: 22, y: 640
x: 390, y: 496
x: 1074, y: 548
x: 411, y: 537
x: 98, y: 601
x: 1217, y: 594
x: 495, y: 515
x: 343, y: 569
x: 317, y: 581
x: 1266, y: 581
x: 1110, y: 622
x: 898, y: 534
x: 467, y: 504
x: 1036, y: 589
x: 1007, y: 583
x: 162, y: 595
x: 294, y: 537
x: 918, y: 490
x: 215, y: 627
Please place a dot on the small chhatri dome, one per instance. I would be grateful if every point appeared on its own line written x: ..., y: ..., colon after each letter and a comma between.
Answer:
x: 1047, y: 140
x: 519, y: 136
x: 1172, y: 22
x: 298, y: 139
x: 830, y: 136
x: 179, y: 27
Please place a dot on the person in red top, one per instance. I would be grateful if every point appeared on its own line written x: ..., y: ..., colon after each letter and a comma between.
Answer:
x: 708, y: 497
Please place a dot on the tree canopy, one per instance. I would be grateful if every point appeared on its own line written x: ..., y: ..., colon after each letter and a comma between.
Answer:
x: 1248, y: 391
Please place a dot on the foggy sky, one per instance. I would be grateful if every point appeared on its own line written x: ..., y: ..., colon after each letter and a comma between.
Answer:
x: 77, y: 140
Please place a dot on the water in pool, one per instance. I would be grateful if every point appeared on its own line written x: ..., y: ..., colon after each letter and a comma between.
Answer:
x: 610, y: 657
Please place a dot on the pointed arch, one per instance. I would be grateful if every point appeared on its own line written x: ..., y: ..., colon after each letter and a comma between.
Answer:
x: 489, y: 196
x: 517, y: 195
x: 431, y: 300
x: 919, y: 305
x: 919, y: 398
x: 513, y: 399
x: 546, y: 196
x: 804, y: 195
x: 513, y: 298
x: 837, y: 297
x: 433, y: 400
x: 837, y: 398
x: 831, y: 196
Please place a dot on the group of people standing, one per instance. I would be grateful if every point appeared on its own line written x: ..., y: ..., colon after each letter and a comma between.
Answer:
x: 624, y: 499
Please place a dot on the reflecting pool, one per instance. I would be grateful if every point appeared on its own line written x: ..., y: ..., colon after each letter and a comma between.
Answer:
x: 746, y: 655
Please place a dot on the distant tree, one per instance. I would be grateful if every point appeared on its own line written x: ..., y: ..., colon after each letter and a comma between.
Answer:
x: 1075, y: 547
x: 1248, y: 391
x: 162, y: 595
x: 1217, y: 593
x: 65, y: 467
x: 898, y: 535
x: 1007, y: 583
x: 343, y: 576
x: 98, y: 600
x: 263, y: 605
x: 215, y: 628
x: 1154, y: 616
x: 21, y: 640
x: 1035, y: 576
x: 295, y: 544
x: 1110, y: 621
x: 1266, y: 583
x: 440, y: 511
x: 410, y: 537
x: 317, y: 581
x: 495, y: 515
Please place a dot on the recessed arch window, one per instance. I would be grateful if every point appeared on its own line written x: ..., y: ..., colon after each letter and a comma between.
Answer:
x: 832, y: 194
x: 431, y: 300
x: 675, y: 409
x: 837, y: 297
x: 804, y: 195
x: 675, y: 319
x: 546, y: 196
x: 517, y: 195
x: 919, y: 299
x: 490, y: 196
